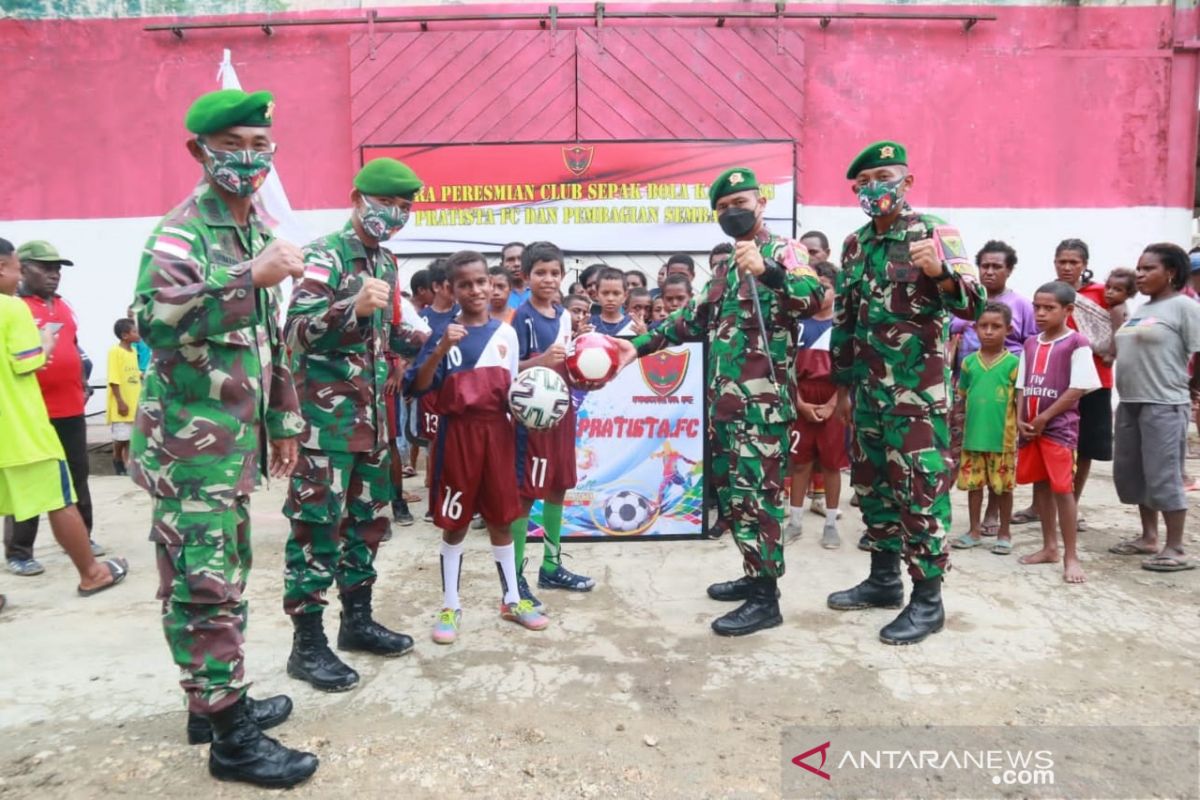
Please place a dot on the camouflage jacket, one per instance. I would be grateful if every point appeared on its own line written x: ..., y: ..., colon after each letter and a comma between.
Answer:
x: 747, y: 382
x: 891, y: 321
x: 218, y: 375
x: 341, y: 360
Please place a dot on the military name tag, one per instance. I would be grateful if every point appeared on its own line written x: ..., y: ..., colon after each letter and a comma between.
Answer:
x: 900, y: 268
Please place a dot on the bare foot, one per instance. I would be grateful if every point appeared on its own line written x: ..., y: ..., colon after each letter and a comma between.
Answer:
x: 1043, y: 556
x: 1073, y: 572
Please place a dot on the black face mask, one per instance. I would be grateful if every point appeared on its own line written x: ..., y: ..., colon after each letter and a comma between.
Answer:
x: 738, y: 222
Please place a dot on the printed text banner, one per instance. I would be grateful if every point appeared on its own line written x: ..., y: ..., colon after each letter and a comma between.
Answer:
x: 639, y: 449
x: 589, y: 196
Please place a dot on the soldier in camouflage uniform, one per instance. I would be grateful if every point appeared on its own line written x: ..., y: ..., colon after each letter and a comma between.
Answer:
x: 340, y: 330
x: 218, y: 409
x: 903, y: 274
x: 750, y: 387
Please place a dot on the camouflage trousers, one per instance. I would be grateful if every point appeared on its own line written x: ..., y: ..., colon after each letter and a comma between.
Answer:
x: 203, y: 555
x: 749, y: 463
x: 335, y: 502
x: 901, y: 471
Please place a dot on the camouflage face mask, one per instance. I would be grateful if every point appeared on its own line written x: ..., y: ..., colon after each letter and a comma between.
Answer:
x: 239, y: 172
x: 379, y: 221
x: 880, y: 198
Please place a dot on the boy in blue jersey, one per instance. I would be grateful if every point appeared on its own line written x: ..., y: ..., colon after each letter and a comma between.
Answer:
x: 468, y: 369
x: 545, y: 459
x: 440, y: 311
x: 612, y: 320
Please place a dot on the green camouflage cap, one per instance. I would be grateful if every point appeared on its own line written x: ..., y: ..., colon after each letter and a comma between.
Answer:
x: 41, y: 250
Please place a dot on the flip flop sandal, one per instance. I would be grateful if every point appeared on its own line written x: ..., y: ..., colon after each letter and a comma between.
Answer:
x: 1002, y: 547
x: 989, y: 528
x: 1023, y: 518
x: 1130, y: 549
x: 117, y: 567
x: 965, y: 542
x: 408, y: 472
x: 1081, y: 524
x: 1168, y: 564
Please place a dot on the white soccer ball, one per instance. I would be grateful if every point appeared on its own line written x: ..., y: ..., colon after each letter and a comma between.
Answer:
x: 626, y: 511
x: 539, y: 398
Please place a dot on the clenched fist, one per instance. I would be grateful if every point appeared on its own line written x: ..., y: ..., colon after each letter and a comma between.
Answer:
x: 373, y: 295
x: 748, y: 258
x: 279, y: 261
x: 924, y: 254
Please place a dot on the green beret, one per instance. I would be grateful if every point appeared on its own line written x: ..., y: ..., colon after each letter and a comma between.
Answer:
x: 387, y: 177
x: 227, y: 108
x: 738, y: 179
x: 880, y: 154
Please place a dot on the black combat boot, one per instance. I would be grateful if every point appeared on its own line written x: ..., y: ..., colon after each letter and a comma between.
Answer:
x: 240, y: 752
x: 263, y: 713
x: 761, y: 610
x: 360, y: 632
x: 922, y: 616
x: 312, y: 660
x: 733, y: 591
x: 882, y: 588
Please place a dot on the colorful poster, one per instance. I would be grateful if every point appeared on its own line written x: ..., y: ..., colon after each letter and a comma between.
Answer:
x: 639, y: 451
x: 585, y: 196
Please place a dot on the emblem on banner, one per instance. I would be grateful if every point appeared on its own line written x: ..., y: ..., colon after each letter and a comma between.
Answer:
x: 578, y: 158
x: 665, y: 370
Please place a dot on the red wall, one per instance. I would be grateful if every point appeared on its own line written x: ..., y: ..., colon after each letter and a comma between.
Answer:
x: 1046, y: 107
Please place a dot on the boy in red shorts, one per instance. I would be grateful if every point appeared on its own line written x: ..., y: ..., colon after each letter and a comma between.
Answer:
x: 817, y: 435
x: 1056, y: 370
x: 545, y: 459
x: 468, y: 371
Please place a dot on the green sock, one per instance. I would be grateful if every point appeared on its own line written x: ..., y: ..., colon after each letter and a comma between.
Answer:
x: 519, y: 531
x: 552, y: 536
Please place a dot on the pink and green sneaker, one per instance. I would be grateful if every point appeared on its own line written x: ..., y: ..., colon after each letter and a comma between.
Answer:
x: 446, y: 629
x: 524, y: 614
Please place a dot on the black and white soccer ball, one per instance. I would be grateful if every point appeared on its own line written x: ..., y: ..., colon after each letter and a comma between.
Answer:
x: 626, y: 511
x: 539, y: 398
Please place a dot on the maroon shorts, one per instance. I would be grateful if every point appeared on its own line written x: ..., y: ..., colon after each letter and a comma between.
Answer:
x: 823, y: 442
x: 546, y: 459
x: 427, y: 425
x: 473, y: 472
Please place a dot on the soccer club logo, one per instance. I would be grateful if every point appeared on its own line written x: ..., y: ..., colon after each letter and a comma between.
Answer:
x: 665, y: 370
x: 578, y: 158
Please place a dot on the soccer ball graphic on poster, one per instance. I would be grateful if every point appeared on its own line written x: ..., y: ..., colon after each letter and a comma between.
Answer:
x: 627, y: 512
x: 592, y: 361
x: 539, y: 398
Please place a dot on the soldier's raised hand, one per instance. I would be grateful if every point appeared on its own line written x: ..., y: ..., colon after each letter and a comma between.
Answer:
x: 924, y: 254
x: 748, y: 258
x: 373, y: 295
x: 279, y: 261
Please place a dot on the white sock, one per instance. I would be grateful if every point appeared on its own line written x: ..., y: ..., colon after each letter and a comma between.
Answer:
x: 506, y: 563
x: 797, y: 515
x: 831, y: 515
x: 451, y: 571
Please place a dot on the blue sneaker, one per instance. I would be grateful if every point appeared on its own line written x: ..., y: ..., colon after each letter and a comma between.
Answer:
x: 563, y: 578
x: 525, y: 593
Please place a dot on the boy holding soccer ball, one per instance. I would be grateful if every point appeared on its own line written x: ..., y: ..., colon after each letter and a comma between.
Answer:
x: 545, y: 458
x: 468, y: 370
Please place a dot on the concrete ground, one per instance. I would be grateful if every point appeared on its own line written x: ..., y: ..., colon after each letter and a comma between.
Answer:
x: 627, y: 694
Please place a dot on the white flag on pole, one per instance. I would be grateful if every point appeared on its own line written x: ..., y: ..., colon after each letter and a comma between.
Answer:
x: 271, y: 198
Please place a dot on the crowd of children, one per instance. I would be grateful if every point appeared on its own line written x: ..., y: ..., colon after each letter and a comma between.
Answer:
x: 1019, y: 373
